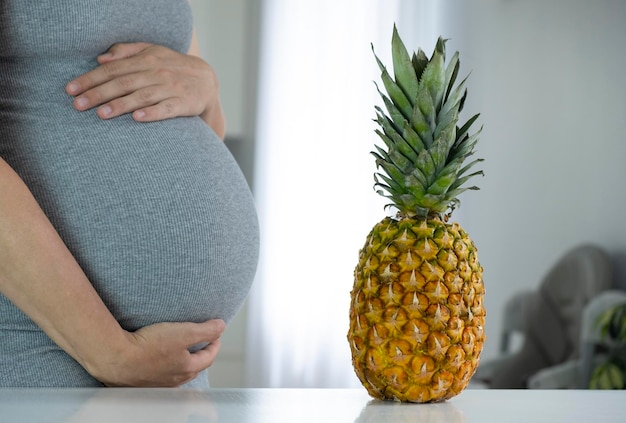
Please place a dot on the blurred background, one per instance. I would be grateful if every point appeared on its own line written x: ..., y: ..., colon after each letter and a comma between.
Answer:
x: 297, y: 86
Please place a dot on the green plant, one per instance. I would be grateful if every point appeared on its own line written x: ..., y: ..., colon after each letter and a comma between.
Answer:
x: 611, y: 374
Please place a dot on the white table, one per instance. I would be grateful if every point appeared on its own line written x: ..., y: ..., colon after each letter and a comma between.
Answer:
x: 119, y: 405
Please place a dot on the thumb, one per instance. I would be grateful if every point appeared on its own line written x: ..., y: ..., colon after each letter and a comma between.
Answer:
x: 122, y: 51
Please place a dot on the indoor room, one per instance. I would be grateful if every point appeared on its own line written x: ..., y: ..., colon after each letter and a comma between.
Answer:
x: 323, y: 124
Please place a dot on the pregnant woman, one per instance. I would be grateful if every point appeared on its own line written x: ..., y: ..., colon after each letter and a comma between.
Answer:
x: 128, y: 235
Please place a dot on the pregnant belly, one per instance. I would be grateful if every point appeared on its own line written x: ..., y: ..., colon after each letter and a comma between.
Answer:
x: 159, y: 217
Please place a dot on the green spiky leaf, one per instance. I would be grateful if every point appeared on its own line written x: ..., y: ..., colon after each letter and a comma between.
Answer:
x: 403, y: 68
x: 434, y: 76
x: 423, y: 169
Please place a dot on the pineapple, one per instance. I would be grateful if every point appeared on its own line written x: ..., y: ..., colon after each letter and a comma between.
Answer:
x: 416, y: 312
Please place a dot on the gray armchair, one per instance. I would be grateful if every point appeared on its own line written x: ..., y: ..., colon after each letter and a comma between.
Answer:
x: 551, y: 319
x: 576, y: 373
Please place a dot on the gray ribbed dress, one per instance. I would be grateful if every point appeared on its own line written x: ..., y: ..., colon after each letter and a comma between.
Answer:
x: 158, y: 215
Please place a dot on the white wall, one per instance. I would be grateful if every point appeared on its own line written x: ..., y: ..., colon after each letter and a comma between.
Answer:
x: 547, y: 78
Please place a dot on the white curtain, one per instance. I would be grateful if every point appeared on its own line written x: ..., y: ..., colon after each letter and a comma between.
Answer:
x: 313, y: 180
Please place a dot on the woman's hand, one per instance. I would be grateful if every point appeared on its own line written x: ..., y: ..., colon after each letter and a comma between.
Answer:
x: 152, y: 82
x: 158, y: 355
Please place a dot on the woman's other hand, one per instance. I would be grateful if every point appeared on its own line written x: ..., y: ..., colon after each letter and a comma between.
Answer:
x: 158, y: 355
x: 152, y: 82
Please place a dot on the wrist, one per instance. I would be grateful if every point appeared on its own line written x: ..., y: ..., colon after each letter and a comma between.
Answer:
x: 214, y: 117
x: 109, y: 361
x: 213, y: 114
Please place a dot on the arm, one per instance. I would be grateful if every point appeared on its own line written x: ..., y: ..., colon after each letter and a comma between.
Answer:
x: 214, y: 114
x: 40, y: 276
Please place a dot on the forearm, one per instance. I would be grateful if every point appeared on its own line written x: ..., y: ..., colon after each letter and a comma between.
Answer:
x: 40, y: 276
x: 214, y: 117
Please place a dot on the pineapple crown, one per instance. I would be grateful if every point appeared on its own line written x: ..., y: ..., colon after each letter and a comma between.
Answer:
x: 422, y: 169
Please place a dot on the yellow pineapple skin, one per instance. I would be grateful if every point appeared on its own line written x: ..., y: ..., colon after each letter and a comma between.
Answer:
x: 416, y: 314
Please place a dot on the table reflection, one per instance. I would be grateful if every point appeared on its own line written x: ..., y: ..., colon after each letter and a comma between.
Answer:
x: 158, y: 405
x: 108, y: 405
x: 381, y: 411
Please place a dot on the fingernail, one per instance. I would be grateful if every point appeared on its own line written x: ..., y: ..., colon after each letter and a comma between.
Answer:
x: 105, y: 110
x: 82, y: 102
x: 140, y: 114
x: 73, y: 87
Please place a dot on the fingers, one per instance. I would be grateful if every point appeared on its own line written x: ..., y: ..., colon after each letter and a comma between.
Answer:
x: 121, y: 60
x: 196, y: 333
x: 122, y: 51
x: 148, y: 103
x: 121, y: 95
x: 101, y: 86
x: 197, y: 361
x: 122, y: 65
x: 163, y: 110
x: 205, y: 357
x: 150, y: 95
